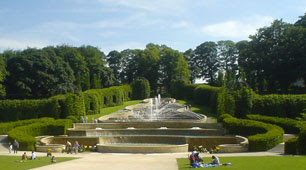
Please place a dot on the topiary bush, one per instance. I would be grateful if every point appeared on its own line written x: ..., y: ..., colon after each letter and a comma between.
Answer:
x: 141, y: 89
x: 261, y: 136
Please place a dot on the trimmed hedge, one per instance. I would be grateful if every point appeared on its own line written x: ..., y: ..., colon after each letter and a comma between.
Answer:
x: 141, y: 89
x: 25, y: 135
x: 6, y: 127
x: 61, y: 106
x: 291, y: 146
x: 241, y: 102
x: 12, y: 110
x: 289, y: 125
x: 97, y: 99
x: 279, y: 105
x: 261, y: 136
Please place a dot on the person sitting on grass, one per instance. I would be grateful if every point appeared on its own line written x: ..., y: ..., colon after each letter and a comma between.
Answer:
x: 49, y: 152
x: 215, y: 160
x: 24, y: 156
x: 33, y: 157
x: 53, y: 160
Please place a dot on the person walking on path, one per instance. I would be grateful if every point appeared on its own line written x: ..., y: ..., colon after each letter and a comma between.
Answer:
x: 15, y: 146
x: 76, y: 147
x: 10, y: 147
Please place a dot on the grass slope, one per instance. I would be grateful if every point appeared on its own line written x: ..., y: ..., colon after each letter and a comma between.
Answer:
x: 109, y: 110
x: 254, y: 163
x: 12, y: 162
x: 205, y: 110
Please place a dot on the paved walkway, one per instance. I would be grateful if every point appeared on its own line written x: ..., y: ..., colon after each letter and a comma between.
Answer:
x: 111, y: 161
x: 115, y: 161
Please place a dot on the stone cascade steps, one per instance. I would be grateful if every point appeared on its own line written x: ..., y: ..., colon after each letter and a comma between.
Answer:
x: 148, y: 131
x: 124, y: 125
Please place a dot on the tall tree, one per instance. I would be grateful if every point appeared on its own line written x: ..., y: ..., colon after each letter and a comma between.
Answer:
x: 227, y: 53
x: 194, y: 69
x: 78, y: 64
x: 147, y: 65
x: 206, y: 58
x: 37, y: 74
x: 173, y: 66
x: 96, y: 63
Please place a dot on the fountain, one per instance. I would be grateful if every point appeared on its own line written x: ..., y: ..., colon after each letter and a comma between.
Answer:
x: 155, y: 125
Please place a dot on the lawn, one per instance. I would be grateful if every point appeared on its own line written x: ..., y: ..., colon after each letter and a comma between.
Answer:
x: 205, y: 110
x: 254, y: 163
x: 109, y: 110
x: 13, y: 162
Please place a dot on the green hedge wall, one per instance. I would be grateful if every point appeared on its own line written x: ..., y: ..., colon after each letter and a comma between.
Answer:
x: 61, y: 106
x: 261, y: 136
x: 279, y: 105
x: 12, y: 110
x: 6, y: 127
x: 100, y: 98
x: 240, y: 102
x: 25, y: 135
x: 289, y: 125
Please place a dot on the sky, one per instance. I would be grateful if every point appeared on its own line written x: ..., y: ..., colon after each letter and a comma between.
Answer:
x: 131, y: 24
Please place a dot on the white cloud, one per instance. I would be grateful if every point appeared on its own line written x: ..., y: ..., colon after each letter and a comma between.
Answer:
x: 19, y: 44
x: 237, y: 29
x: 156, y: 6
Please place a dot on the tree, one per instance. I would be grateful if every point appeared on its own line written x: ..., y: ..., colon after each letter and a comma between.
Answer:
x: 173, y: 66
x: 194, y: 69
x: 37, y: 74
x: 100, y: 75
x: 263, y: 59
x: 146, y: 64
x: 78, y: 64
x: 206, y: 58
x: 227, y: 53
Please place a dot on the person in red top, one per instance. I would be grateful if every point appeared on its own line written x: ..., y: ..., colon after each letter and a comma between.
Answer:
x: 192, y: 158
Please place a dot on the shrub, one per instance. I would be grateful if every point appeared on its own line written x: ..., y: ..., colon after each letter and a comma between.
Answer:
x: 25, y: 135
x: 141, y: 89
x: 261, y: 136
x: 291, y: 146
x: 289, y: 125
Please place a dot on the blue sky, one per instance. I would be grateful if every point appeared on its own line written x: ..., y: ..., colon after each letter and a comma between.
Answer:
x: 121, y: 24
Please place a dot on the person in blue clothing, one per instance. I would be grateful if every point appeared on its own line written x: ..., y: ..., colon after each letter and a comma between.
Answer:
x: 15, y: 146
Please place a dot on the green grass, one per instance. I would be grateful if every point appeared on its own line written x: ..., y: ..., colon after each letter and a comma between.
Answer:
x: 13, y: 162
x: 205, y: 110
x: 109, y: 110
x: 254, y: 163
